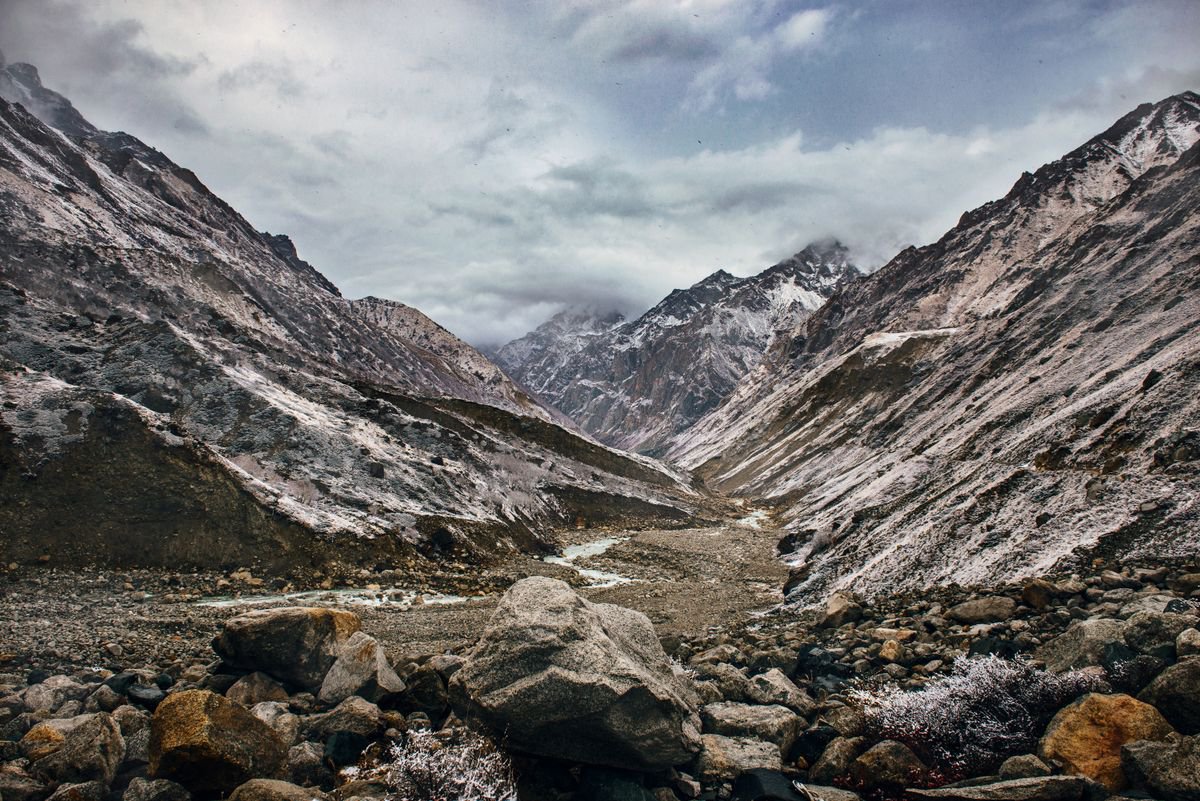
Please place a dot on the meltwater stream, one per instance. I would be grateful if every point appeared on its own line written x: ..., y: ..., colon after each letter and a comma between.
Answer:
x: 404, y: 599
x: 596, y: 578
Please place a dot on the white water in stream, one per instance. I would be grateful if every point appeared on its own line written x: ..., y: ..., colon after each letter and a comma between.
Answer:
x: 596, y: 578
x: 753, y: 520
x: 402, y: 599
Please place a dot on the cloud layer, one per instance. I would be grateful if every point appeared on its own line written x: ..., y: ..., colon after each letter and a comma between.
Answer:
x: 492, y: 164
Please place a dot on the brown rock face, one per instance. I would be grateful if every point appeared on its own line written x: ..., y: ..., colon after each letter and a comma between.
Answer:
x: 297, y: 645
x: 886, y: 764
x: 725, y: 758
x: 79, y: 749
x: 1086, y: 737
x: 983, y: 610
x: 208, y: 743
x: 275, y: 790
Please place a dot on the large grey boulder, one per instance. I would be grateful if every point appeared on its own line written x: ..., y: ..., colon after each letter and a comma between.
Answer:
x: 1176, y: 693
x: 296, y: 645
x: 1170, y: 769
x: 1154, y: 633
x: 775, y: 724
x: 361, y: 669
x: 773, y: 687
x: 558, y: 676
x: 724, y: 758
x: 1082, y: 645
x: 47, y: 696
x: 1044, y: 788
x: 79, y: 749
x: 279, y: 717
x: 141, y: 789
x: 353, y: 716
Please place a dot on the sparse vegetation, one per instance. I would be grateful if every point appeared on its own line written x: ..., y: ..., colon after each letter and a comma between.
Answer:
x: 425, y: 767
x: 984, y: 711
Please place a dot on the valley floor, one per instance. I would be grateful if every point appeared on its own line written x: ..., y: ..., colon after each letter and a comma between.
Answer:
x: 684, y: 580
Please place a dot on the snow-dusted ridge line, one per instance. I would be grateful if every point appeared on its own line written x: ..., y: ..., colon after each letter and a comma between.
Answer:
x: 125, y: 281
x: 1016, y: 396
x: 635, y: 384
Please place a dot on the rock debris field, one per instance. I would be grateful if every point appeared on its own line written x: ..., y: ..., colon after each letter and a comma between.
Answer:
x: 684, y: 580
x: 663, y: 684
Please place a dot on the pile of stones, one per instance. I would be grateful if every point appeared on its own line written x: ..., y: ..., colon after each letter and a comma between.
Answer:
x: 591, y: 706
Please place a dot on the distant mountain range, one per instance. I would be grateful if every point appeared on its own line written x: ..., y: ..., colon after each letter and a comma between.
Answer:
x: 180, y: 388
x: 636, y: 384
x: 1019, y: 396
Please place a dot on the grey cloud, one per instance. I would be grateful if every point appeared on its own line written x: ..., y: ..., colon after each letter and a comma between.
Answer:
x: 279, y: 77
x: 72, y: 50
x: 759, y: 196
x: 1117, y: 97
x: 667, y: 43
x: 492, y: 180
x: 335, y: 144
x: 632, y: 32
x: 512, y: 121
x: 83, y: 48
x: 475, y: 215
x: 493, y: 306
x: 187, y: 122
x: 597, y: 188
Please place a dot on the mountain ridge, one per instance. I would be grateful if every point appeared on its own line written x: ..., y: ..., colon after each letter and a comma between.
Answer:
x: 976, y: 405
x: 636, y: 383
x: 142, y: 311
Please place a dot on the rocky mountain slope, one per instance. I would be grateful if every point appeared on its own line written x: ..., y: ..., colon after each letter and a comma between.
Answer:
x: 197, y: 393
x: 635, y: 384
x: 1021, y: 393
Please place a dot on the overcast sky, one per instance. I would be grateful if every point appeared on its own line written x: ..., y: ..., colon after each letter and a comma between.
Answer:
x: 491, y: 163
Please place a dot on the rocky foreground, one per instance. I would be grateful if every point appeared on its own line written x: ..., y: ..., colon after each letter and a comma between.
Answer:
x: 1055, y: 689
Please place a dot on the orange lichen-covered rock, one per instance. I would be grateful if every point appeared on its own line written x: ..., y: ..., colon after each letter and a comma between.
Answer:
x: 1086, y: 737
x: 207, y: 742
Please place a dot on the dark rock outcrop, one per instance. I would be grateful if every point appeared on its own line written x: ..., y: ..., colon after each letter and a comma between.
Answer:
x: 558, y: 676
x: 297, y: 645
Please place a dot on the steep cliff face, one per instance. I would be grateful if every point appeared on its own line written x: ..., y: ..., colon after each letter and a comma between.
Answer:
x: 1021, y: 393
x: 131, y: 294
x: 636, y: 384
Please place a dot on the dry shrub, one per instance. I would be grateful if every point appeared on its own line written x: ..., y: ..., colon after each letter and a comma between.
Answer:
x: 423, y: 767
x: 969, y: 721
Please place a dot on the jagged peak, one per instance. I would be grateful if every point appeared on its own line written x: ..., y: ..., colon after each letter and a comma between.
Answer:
x: 1150, y: 135
x: 718, y: 278
x: 284, y: 248
x: 824, y: 260
x: 26, y: 73
x: 21, y: 83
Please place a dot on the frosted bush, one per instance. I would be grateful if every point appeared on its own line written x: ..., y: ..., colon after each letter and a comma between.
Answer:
x: 424, y: 768
x: 969, y: 721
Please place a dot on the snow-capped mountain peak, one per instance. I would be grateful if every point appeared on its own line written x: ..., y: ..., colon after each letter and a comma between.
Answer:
x: 638, y: 383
